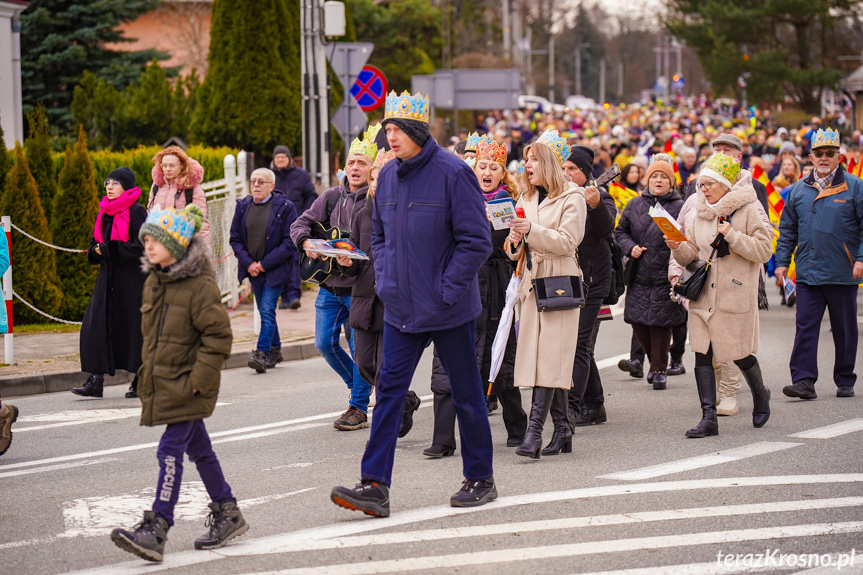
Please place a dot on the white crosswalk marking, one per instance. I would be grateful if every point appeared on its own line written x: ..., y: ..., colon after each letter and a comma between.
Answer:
x: 831, y: 431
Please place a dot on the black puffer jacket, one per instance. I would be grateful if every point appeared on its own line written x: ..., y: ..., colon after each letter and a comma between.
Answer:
x: 648, y: 299
x: 367, y: 311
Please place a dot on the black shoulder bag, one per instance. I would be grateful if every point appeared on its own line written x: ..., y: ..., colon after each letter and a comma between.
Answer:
x: 556, y: 293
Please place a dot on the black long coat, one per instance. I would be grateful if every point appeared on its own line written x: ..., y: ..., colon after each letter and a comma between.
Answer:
x: 648, y: 300
x: 367, y: 310
x: 111, y: 335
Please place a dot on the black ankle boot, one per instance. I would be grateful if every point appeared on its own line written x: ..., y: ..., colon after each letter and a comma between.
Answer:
x: 660, y: 379
x: 561, y: 441
x: 539, y: 408
x: 760, y: 395
x: 92, y: 388
x: 705, y: 379
x: 133, y: 389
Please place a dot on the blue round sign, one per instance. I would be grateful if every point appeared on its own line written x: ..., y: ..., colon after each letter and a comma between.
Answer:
x: 370, y: 89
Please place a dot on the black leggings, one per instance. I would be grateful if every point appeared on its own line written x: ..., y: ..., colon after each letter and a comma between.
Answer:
x: 706, y: 360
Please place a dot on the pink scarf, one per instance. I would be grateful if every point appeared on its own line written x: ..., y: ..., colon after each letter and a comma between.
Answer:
x: 119, y: 208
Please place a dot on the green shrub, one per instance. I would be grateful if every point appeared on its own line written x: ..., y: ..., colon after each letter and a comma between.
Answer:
x: 5, y: 163
x: 34, y: 269
x: 38, y: 151
x: 75, y: 207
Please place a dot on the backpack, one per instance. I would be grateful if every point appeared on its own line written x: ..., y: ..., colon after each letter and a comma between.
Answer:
x: 618, y: 283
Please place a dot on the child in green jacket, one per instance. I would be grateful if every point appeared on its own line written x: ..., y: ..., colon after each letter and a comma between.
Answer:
x: 187, y: 337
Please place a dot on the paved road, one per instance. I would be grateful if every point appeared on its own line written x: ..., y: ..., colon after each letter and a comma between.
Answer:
x: 636, y: 497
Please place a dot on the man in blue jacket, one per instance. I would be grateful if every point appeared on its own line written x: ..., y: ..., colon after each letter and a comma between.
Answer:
x: 430, y: 236
x: 823, y: 221
x: 261, y: 240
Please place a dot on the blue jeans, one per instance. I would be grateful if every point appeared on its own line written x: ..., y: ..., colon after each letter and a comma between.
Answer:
x: 331, y: 313
x: 179, y: 439
x: 291, y: 290
x: 267, y: 298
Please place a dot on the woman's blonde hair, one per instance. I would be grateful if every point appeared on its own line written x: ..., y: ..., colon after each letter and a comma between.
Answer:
x: 549, y: 172
x: 508, y: 180
x: 185, y: 161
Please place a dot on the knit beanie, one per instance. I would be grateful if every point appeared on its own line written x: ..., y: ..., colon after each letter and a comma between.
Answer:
x: 663, y: 167
x: 281, y: 150
x: 416, y: 130
x: 582, y: 157
x: 173, y: 228
x: 125, y: 176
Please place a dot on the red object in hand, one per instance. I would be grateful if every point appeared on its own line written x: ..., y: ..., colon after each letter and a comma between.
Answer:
x: 519, y: 212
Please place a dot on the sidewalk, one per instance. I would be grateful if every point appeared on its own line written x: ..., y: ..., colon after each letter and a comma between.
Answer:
x: 50, y: 362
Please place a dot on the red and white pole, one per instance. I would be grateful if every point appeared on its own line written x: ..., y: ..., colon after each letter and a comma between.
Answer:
x: 6, y: 224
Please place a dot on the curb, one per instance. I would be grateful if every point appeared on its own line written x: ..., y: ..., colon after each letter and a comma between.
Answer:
x: 22, y: 385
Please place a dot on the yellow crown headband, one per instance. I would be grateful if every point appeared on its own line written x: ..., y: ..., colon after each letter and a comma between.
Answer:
x: 367, y: 145
x: 407, y: 107
x: 724, y: 169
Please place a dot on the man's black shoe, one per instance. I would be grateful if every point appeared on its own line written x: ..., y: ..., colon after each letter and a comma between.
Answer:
x: 845, y: 391
x: 804, y: 389
x: 370, y: 497
x: 514, y: 441
x: 590, y: 416
x: 411, y: 405
x: 474, y: 493
x: 436, y: 451
x: 676, y: 368
x: 632, y: 366
x: 259, y: 361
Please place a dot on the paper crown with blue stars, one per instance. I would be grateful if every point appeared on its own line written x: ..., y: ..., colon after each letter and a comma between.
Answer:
x: 825, y: 139
x: 556, y: 144
x: 173, y: 228
x: 472, y: 142
x: 407, y: 107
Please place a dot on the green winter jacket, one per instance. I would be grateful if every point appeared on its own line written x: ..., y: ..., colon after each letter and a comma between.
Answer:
x: 187, y: 337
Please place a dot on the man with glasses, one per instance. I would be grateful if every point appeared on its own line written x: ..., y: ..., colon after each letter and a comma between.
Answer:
x: 731, y: 145
x: 823, y: 221
x: 261, y: 240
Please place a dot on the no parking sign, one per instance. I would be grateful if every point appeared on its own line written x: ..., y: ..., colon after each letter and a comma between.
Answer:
x: 370, y: 89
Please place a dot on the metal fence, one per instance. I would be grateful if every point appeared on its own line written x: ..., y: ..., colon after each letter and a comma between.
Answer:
x: 222, y: 196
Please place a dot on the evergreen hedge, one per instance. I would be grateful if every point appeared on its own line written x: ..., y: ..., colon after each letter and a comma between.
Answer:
x: 5, y: 163
x: 73, y: 228
x: 37, y: 148
x: 34, y: 270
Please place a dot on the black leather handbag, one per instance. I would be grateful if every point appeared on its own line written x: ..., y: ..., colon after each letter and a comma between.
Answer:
x: 557, y: 293
x: 692, y: 280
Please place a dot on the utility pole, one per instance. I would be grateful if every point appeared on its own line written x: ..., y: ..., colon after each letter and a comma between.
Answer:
x: 620, y: 82
x: 667, y: 70
x: 578, y: 48
x: 602, y: 81
x: 316, y: 108
x: 551, y: 67
x: 507, y: 43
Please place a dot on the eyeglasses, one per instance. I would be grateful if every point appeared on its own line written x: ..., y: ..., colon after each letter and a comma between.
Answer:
x: 700, y: 186
x: 828, y: 153
x: 109, y: 183
x: 261, y: 182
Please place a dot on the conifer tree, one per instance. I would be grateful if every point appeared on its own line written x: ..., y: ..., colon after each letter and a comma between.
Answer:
x: 34, y: 269
x: 250, y: 97
x: 38, y: 150
x: 5, y: 163
x: 75, y: 207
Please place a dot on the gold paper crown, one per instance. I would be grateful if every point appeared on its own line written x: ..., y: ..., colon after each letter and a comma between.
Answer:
x: 407, y: 107
x: 491, y: 151
x: 825, y: 138
x: 383, y: 157
x: 367, y: 145
x: 556, y: 144
x: 721, y: 167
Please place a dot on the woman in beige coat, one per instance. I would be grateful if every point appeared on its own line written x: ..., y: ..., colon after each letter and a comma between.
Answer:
x: 555, y: 213
x: 724, y: 320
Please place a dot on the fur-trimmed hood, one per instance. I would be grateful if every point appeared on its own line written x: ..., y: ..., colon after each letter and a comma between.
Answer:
x: 196, y: 175
x: 741, y: 194
x: 194, y: 263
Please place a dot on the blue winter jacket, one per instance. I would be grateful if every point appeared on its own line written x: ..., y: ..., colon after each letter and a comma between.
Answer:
x: 826, y: 228
x: 280, y: 252
x: 430, y: 236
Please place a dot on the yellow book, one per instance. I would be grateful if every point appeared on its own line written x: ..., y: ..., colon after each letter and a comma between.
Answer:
x: 667, y: 224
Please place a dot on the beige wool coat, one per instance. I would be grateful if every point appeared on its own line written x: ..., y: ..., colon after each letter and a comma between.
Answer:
x: 547, y: 340
x: 726, y: 314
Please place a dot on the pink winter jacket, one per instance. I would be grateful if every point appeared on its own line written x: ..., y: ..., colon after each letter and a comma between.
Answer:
x: 162, y: 194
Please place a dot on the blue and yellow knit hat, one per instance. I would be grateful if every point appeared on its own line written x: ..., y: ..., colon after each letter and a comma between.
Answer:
x: 173, y: 228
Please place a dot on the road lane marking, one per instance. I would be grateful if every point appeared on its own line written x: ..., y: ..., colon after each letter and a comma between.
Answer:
x: 714, y: 568
x: 588, y: 548
x: 275, y: 543
x: 829, y: 431
x: 611, y: 361
x: 56, y: 467
x: 690, y: 463
x: 79, y: 417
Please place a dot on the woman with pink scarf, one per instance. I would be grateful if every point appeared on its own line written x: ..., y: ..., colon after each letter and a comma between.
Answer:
x: 111, y: 335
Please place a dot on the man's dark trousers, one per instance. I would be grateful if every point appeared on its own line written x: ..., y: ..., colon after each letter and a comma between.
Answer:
x: 841, y: 304
x: 456, y: 348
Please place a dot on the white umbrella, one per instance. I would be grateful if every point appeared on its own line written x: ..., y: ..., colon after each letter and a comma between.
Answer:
x: 498, y: 347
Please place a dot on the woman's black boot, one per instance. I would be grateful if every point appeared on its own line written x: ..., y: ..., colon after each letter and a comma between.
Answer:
x: 92, y: 388
x: 705, y: 379
x: 539, y: 408
x: 561, y: 441
x: 133, y: 389
x: 760, y: 395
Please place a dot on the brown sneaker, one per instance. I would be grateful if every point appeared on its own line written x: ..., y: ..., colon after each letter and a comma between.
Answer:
x: 8, y: 416
x: 352, y: 419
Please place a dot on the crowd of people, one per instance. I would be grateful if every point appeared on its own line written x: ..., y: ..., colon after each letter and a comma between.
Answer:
x: 428, y: 265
